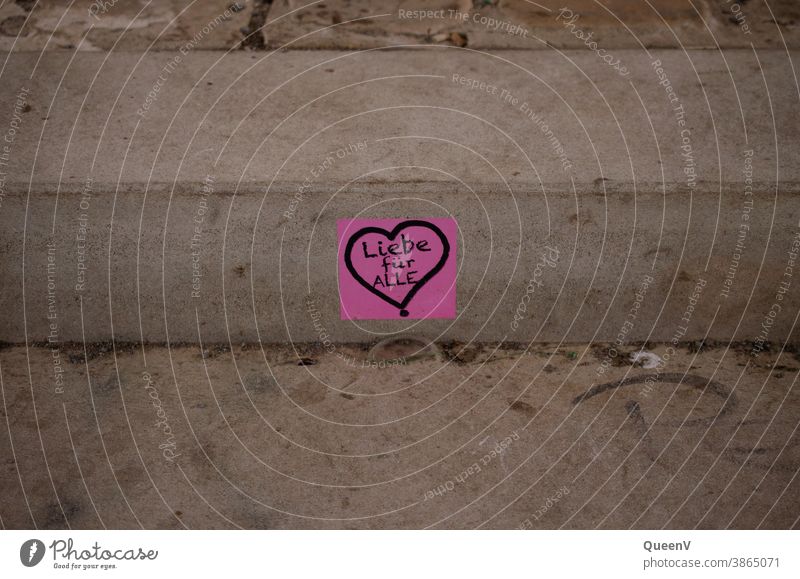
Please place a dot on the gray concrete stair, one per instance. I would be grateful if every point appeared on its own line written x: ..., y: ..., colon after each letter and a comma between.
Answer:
x: 554, y: 149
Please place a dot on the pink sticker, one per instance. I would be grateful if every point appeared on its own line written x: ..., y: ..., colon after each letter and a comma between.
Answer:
x: 397, y: 268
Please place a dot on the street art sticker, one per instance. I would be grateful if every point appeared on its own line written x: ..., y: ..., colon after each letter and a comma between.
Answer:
x: 396, y: 268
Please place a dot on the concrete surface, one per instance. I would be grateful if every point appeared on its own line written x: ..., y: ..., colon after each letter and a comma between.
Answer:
x: 492, y: 24
x: 217, y: 438
x: 26, y: 25
x: 217, y: 170
x: 169, y: 189
x: 99, y: 25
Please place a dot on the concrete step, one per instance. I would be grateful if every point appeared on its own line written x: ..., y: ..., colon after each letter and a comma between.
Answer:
x: 91, y: 25
x: 491, y: 25
x: 248, y: 438
x: 127, y: 174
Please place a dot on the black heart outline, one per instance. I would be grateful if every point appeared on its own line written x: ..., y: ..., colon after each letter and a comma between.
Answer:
x: 390, y: 235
